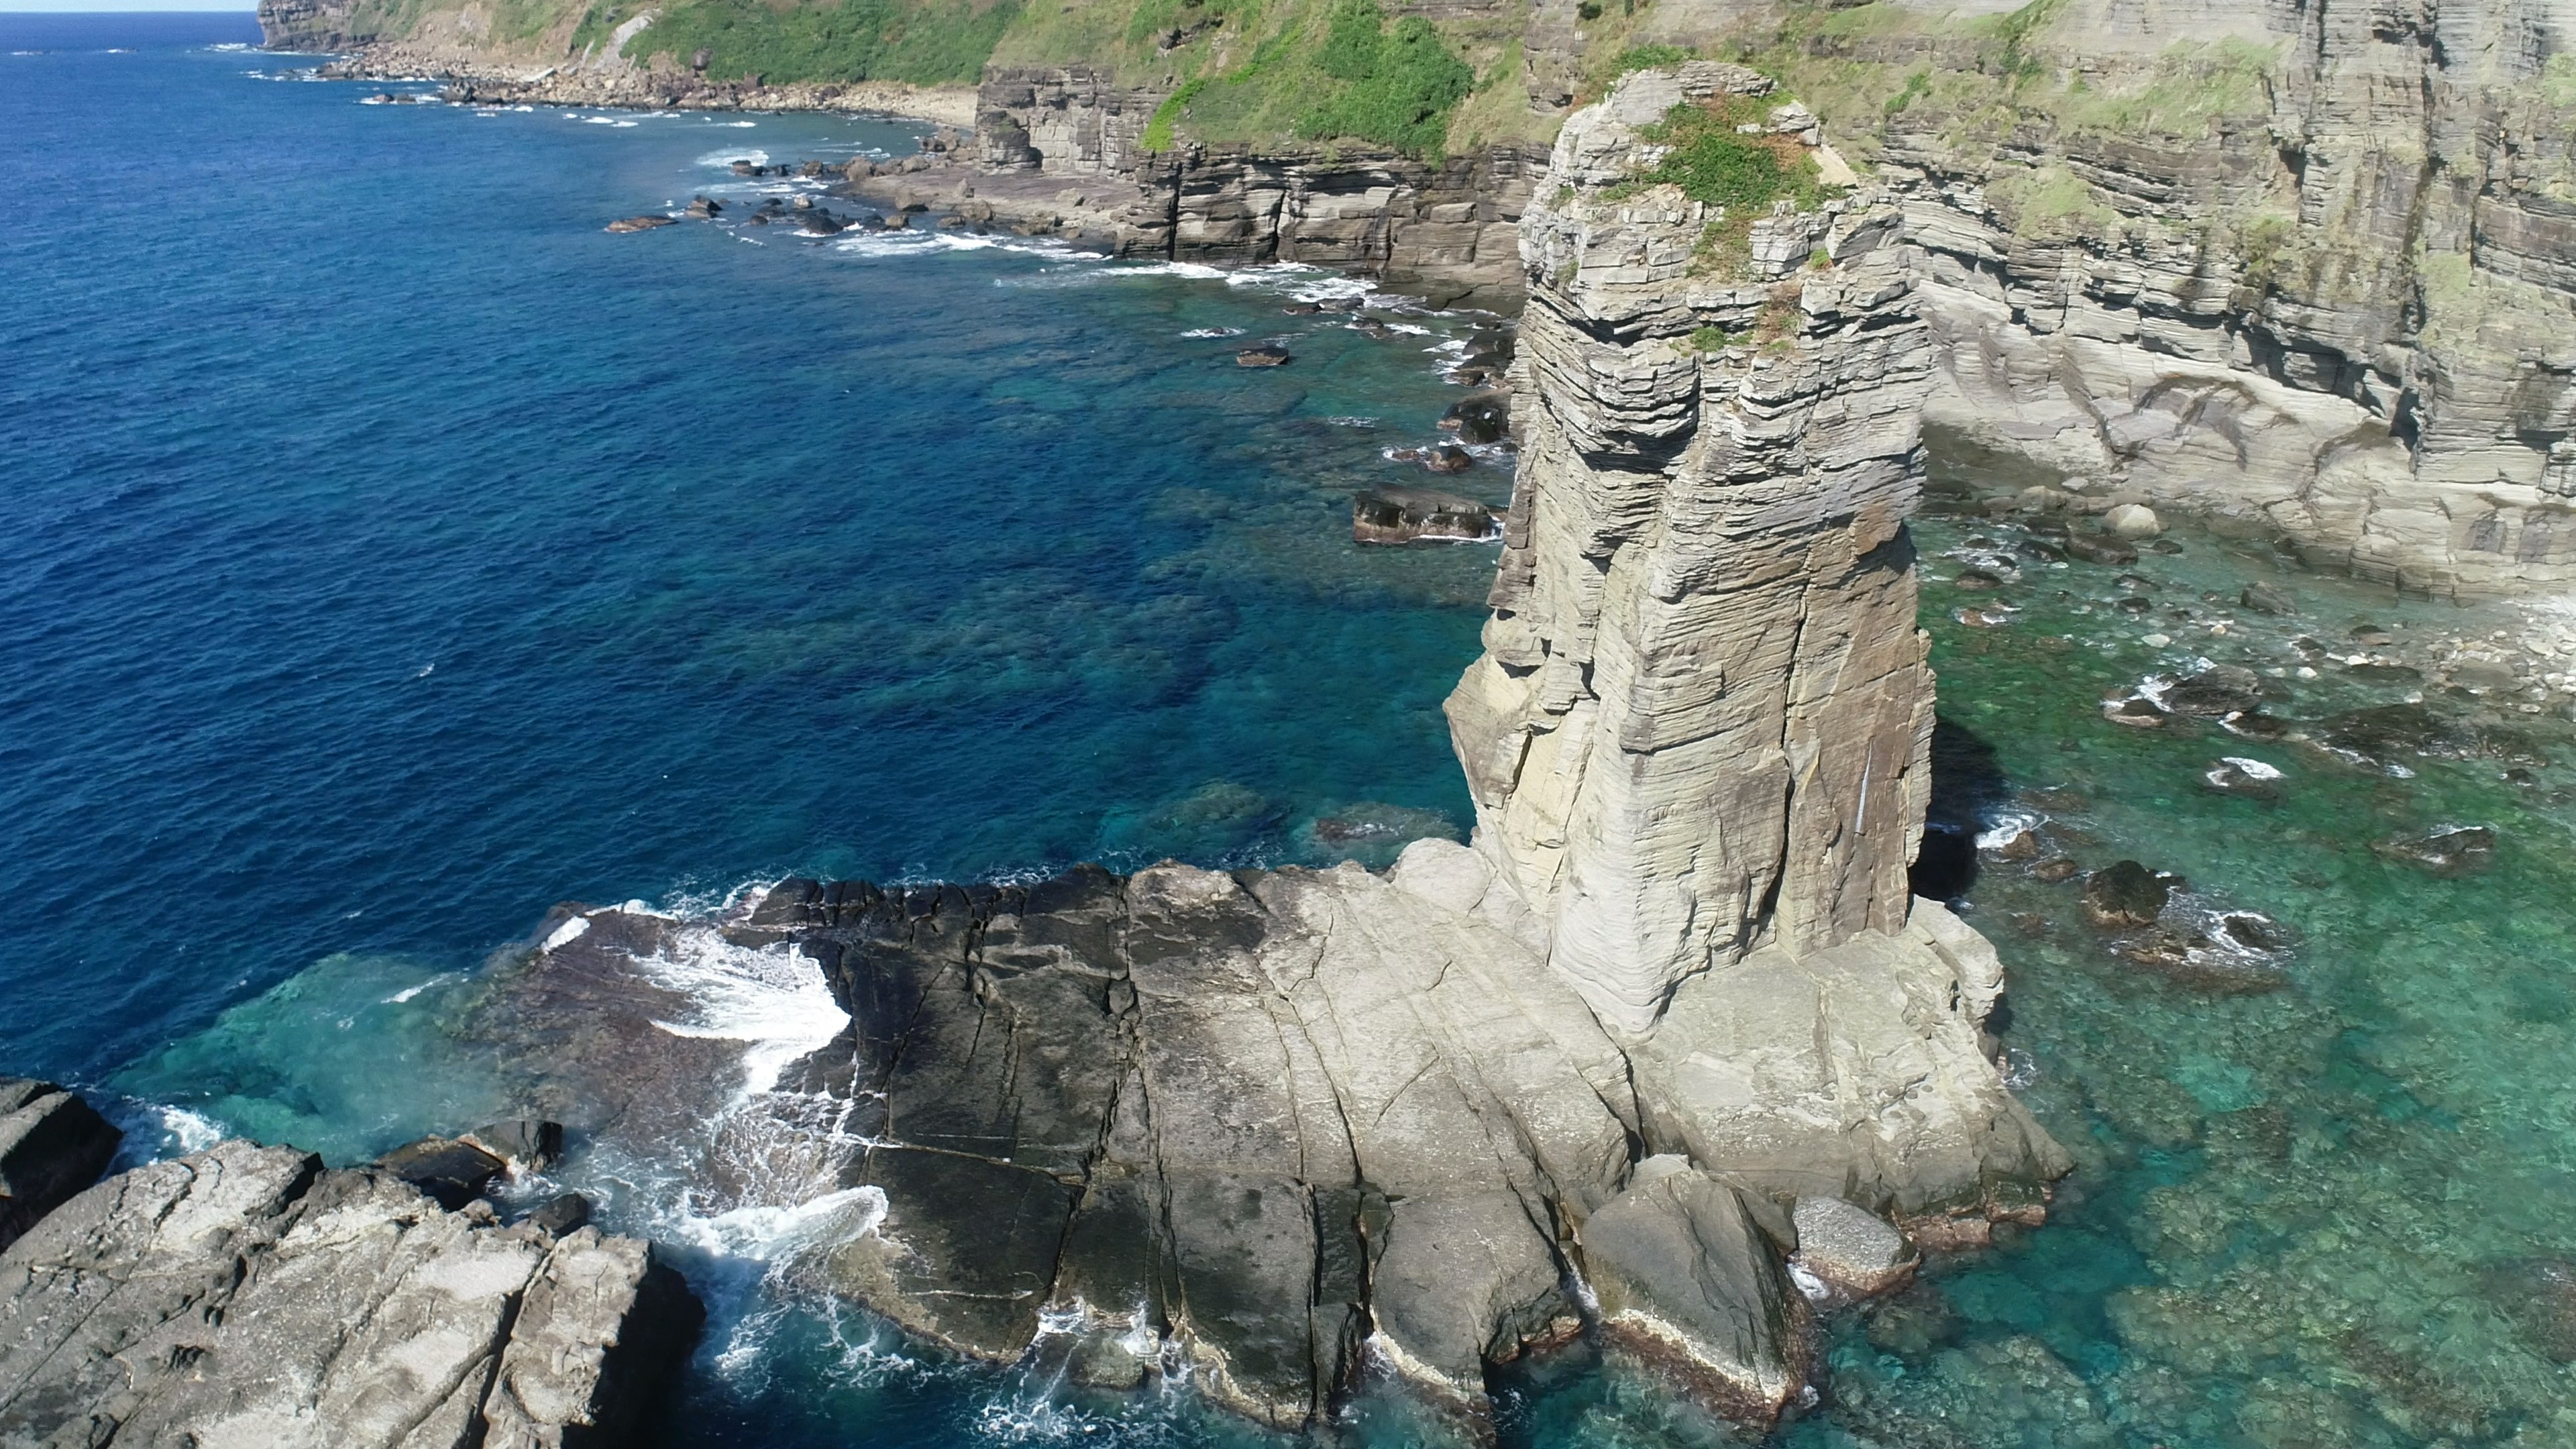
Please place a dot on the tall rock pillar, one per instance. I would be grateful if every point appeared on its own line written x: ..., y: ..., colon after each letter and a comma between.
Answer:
x: 1701, y: 720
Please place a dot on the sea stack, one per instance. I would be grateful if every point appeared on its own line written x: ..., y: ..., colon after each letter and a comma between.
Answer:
x: 1268, y: 1127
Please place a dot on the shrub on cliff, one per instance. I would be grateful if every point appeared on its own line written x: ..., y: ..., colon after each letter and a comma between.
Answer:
x: 1395, y: 87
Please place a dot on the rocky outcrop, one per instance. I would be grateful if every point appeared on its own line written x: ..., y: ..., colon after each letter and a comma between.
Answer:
x: 1419, y: 515
x: 1273, y: 1126
x: 1702, y: 719
x: 243, y: 1295
x: 52, y: 1144
x: 1064, y: 151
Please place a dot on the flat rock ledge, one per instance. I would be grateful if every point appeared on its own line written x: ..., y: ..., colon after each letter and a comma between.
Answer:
x: 244, y: 1295
x: 52, y: 1144
x: 1270, y: 1127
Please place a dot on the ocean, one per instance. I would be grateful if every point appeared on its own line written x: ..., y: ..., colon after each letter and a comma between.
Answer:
x: 388, y: 552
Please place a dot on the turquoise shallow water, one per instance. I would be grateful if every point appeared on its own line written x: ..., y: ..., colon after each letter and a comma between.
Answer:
x: 386, y: 552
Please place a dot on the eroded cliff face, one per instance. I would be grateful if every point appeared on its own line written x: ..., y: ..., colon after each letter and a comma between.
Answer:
x: 1448, y: 227
x: 2304, y: 264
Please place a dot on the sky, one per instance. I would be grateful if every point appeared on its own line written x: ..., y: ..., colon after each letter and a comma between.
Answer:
x: 57, y: 6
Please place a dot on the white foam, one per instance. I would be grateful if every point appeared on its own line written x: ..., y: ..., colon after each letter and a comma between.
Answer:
x: 1810, y: 1287
x: 2252, y: 769
x: 408, y: 992
x: 2008, y: 827
x: 768, y: 1234
x: 773, y: 999
x: 189, y: 1131
x: 1214, y: 332
x: 567, y: 933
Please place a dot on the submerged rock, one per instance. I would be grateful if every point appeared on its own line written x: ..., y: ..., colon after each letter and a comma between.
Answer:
x: 2539, y: 1296
x: 243, y: 1295
x: 2445, y: 854
x: 52, y: 1144
x: 2265, y: 599
x: 1420, y: 515
x: 2238, y: 775
x: 641, y: 223
x: 2125, y: 893
x: 1266, y: 355
x: 1479, y: 417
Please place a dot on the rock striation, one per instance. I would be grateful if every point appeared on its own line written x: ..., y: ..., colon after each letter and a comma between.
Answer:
x: 1702, y: 720
x: 244, y: 1295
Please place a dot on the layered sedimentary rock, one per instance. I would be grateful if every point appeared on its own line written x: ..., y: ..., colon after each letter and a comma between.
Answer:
x: 52, y: 1144
x: 242, y: 1295
x: 2304, y: 264
x: 1702, y: 719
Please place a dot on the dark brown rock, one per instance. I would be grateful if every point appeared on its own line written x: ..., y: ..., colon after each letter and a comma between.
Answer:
x: 2125, y: 893
x: 52, y: 1145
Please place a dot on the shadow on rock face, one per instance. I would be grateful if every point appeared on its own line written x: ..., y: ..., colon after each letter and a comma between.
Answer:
x: 1968, y: 787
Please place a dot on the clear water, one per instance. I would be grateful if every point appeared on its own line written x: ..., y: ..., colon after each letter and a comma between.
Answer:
x: 387, y: 552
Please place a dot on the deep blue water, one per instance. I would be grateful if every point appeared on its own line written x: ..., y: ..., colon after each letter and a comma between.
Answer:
x: 387, y: 552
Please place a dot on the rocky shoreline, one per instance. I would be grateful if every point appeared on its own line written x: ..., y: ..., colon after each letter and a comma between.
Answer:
x: 247, y: 1294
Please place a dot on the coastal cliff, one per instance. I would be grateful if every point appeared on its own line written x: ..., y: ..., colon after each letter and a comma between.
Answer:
x: 2301, y: 266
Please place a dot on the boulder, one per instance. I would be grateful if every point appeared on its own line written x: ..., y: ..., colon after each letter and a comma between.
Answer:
x: 2445, y: 854
x: 243, y: 1295
x: 2219, y: 690
x: 1850, y: 1247
x: 2265, y: 599
x: 526, y: 1144
x: 641, y: 223
x: 52, y: 1144
x: 1686, y: 1279
x: 1482, y: 417
x: 1447, y: 458
x: 2132, y: 521
x: 1266, y: 355
x: 450, y: 1171
x: 2125, y: 893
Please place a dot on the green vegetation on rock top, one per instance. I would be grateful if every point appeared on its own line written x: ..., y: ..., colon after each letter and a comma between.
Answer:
x: 1713, y: 161
x: 1397, y: 85
x: 925, y: 42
